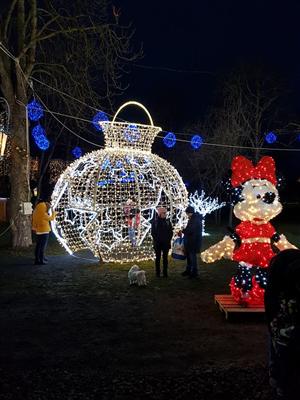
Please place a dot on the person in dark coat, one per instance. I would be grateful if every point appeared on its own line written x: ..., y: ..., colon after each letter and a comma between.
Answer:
x: 282, y: 305
x: 162, y: 232
x: 192, y: 241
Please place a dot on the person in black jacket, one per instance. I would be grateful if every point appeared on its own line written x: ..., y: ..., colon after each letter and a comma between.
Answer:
x: 192, y: 241
x: 162, y: 232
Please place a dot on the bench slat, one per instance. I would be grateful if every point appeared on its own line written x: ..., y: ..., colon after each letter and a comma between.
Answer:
x: 227, y: 304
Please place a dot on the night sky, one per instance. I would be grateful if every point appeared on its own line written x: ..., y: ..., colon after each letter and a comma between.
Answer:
x: 213, y: 36
x: 189, y: 47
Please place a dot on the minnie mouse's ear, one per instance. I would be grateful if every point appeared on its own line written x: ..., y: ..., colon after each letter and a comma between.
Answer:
x: 242, y: 170
x: 265, y: 169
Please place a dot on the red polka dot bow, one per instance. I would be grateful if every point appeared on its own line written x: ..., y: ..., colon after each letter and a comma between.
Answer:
x: 243, y: 170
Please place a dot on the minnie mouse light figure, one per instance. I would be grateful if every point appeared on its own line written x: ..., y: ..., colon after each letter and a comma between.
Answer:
x: 254, y: 241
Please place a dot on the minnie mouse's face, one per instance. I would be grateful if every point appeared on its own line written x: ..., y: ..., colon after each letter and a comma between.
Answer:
x: 259, y: 202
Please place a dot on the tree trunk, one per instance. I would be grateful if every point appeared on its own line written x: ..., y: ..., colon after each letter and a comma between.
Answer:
x: 19, y: 178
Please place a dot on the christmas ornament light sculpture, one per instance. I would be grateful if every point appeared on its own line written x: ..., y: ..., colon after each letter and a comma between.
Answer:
x: 39, y: 135
x: 35, y: 110
x: 77, y: 152
x: 204, y: 205
x: 271, y: 137
x: 169, y: 140
x: 196, y: 142
x: 105, y: 200
x: 99, y: 117
x: 252, y: 242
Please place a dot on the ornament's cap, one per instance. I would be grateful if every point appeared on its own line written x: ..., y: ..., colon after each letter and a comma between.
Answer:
x: 129, y: 135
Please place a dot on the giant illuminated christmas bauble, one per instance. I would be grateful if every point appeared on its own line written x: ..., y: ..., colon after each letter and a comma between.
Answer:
x: 105, y: 200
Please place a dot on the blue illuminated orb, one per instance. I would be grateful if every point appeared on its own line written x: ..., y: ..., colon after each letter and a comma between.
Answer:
x: 77, y: 152
x: 196, y: 141
x: 298, y: 137
x: 40, y: 138
x: 132, y: 134
x: 35, y: 110
x: 169, y: 140
x: 271, y: 137
x: 100, y: 116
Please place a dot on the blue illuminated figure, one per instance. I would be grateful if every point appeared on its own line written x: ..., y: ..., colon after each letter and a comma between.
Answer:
x: 35, y: 110
x: 100, y: 116
x: 196, y: 141
x: 40, y: 138
x: 77, y: 152
x: 132, y: 134
x: 169, y: 140
x: 106, y: 164
x: 271, y: 137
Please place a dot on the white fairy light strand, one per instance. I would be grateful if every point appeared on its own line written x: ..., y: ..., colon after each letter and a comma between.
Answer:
x: 204, y: 205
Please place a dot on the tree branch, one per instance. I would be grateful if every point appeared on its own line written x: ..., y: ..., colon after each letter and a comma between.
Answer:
x: 32, y: 49
x: 8, y: 18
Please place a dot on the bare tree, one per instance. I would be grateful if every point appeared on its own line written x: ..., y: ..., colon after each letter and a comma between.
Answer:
x: 249, y: 109
x: 74, y: 48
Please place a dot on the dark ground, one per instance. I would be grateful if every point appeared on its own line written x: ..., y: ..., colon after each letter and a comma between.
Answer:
x: 75, y: 330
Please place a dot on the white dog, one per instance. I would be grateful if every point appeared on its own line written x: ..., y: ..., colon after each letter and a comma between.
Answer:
x: 137, y: 275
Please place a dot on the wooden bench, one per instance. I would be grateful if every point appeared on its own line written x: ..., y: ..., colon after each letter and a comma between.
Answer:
x: 227, y: 304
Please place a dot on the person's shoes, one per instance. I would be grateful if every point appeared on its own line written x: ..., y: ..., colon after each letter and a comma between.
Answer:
x: 185, y: 273
x: 193, y: 276
x: 36, y: 263
x: 45, y: 259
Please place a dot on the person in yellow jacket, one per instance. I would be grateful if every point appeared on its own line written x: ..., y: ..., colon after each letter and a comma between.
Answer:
x: 41, y: 227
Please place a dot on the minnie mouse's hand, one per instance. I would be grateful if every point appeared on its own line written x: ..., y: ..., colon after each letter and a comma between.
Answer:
x: 284, y: 244
x: 223, y: 249
x: 207, y: 257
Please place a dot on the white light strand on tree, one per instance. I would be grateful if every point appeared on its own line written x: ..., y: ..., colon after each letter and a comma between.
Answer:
x: 105, y: 200
x: 204, y: 205
x: 56, y: 167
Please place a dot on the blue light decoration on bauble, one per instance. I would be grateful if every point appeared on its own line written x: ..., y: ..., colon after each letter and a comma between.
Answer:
x: 271, y: 137
x: 169, y: 140
x: 132, y: 134
x: 39, y: 135
x: 196, y: 142
x: 298, y: 137
x: 77, y: 152
x: 34, y: 110
x: 100, y: 116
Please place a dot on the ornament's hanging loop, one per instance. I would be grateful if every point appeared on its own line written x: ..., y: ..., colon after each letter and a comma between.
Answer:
x: 136, y: 104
